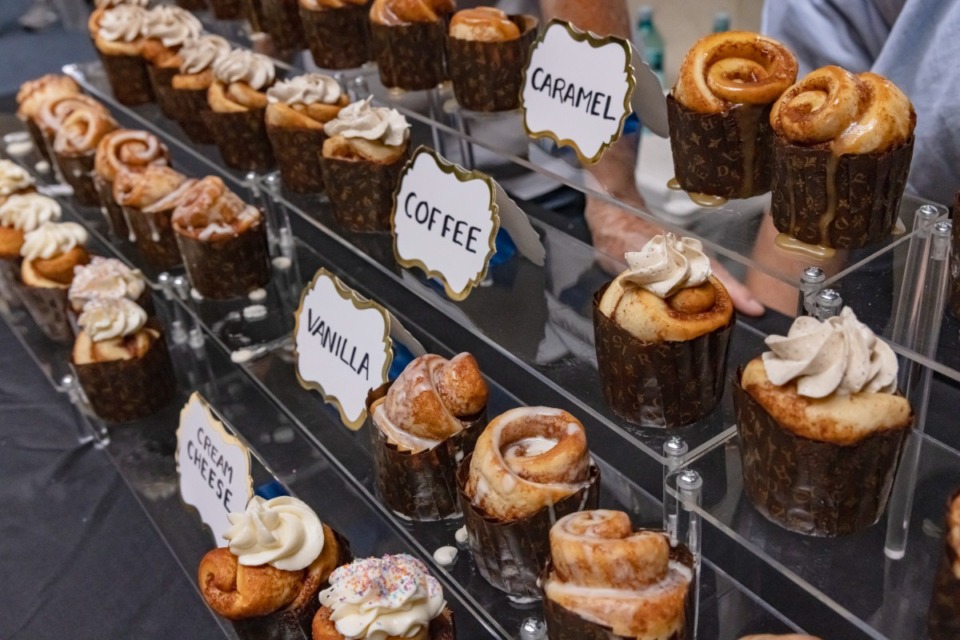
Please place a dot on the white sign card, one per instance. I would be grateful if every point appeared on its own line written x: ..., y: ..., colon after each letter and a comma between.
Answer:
x: 445, y: 221
x: 213, y: 466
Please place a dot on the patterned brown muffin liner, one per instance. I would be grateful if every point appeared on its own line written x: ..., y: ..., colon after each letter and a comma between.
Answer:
x: 128, y: 78
x: 954, y: 303
x: 665, y: 384
x: 161, y: 79
x: 126, y: 390
x: 810, y: 487
x: 410, y: 56
x: 228, y: 268
x: 111, y: 210
x: 153, y: 236
x: 39, y: 140
x: 488, y: 76
x: 943, y: 621
x: 361, y: 192
x: 187, y: 108
x: 78, y: 172
x: 192, y: 5
x: 563, y: 624
x: 511, y: 555
x: 48, y: 308
x: 297, y: 151
x: 10, y: 282
x: 727, y: 154
x: 227, y: 9
x: 242, y: 139
x: 420, y: 486
x: 338, y: 38
x: 853, y: 198
x: 281, y: 20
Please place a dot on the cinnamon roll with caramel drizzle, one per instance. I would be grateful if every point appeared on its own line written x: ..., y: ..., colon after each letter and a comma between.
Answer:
x: 75, y: 148
x: 843, y: 148
x: 605, y: 575
x: 124, y: 150
x: 32, y: 94
x: 718, y: 112
x: 150, y: 226
x: 408, y: 39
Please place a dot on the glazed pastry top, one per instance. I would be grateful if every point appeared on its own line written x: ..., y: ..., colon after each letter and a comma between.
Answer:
x: 527, y: 459
x: 607, y: 573
x: 34, y: 93
x: 399, y: 12
x: 430, y: 401
x: 170, y: 201
x: 210, y: 211
x: 667, y: 293
x: 202, y: 53
x: 13, y: 178
x: 128, y: 149
x: 28, y: 211
x: 317, y: 5
x: 380, y: 598
x: 172, y: 26
x: 283, y: 532
x: 853, y: 114
x: 306, y: 101
x: 52, y: 239
x: 110, y: 318
x: 81, y: 132
x: 734, y: 67
x: 485, y: 24
x: 140, y: 189
x: 104, y: 278
x: 53, y: 112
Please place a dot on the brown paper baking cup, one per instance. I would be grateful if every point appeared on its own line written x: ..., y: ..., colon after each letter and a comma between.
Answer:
x: 227, y: 268
x: 39, y: 140
x: 854, y: 199
x: 726, y: 154
x: 338, y: 38
x: 188, y: 107
x: 242, y: 139
x: 78, y: 172
x: 193, y: 5
x: 10, y: 282
x: 410, y: 56
x: 811, y: 487
x: 281, y: 20
x: 48, y: 308
x: 420, y: 486
x: 128, y: 78
x: 125, y: 390
x: 160, y: 81
x: 297, y: 151
x: 488, y: 76
x: 563, y: 624
x: 943, y: 621
x: 511, y: 556
x: 361, y: 192
x: 154, y: 237
x: 665, y: 384
x: 227, y: 9
x: 111, y: 210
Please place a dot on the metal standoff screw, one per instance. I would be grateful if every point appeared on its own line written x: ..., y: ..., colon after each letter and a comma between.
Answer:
x: 811, y: 280
x: 942, y: 232
x: 927, y: 214
x: 829, y: 303
x: 533, y: 629
x: 66, y: 382
x: 689, y: 480
x: 181, y: 287
x: 360, y: 88
x: 165, y: 282
x: 813, y: 275
x: 675, y: 446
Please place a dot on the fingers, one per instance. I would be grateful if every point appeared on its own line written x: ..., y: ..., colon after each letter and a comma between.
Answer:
x: 743, y: 300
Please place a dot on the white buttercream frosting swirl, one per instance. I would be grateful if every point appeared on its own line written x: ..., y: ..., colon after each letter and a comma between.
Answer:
x: 27, y: 211
x: 306, y: 89
x: 839, y: 355
x: 13, y: 178
x: 241, y: 65
x: 171, y: 25
x: 122, y: 23
x: 283, y: 532
x: 110, y: 318
x: 104, y: 278
x: 52, y: 239
x: 360, y: 120
x: 377, y: 598
x: 202, y: 53
x: 667, y: 264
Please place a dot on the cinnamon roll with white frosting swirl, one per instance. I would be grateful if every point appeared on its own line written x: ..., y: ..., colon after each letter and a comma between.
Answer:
x: 54, y: 111
x: 75, y: 147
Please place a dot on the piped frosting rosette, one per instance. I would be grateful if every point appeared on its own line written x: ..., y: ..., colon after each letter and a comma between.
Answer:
x: 27, y: 211
x: 606, y: 574
x: 13, y: 179
x: 200, y: 54
x: 105, y: 278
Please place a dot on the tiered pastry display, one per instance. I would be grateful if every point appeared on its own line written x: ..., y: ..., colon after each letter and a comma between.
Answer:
x: 530, y: 467
x: 278, y: 557
x: 238, y: 100
x: 297, y: 111
x: 222, y: 240
x: 821, y: 426
x: 842, y: 153
x: 487, y: 53
x: 421, y: 425
x: 119, y: 39
x: 123, y: 150
x: 280, y: 19
x: 944, y: 619
x: 75, y: 150
x: 337, y: 32
x: 188, y: 88
x: 148, y: 198
x: 383, y: 599
x: 719, y: 113
x: 662, y: 330
x: 21, y: 211
x: 608, y: 582
x: 362, y: 159
x: 409, y: 38
x: 121, y: 360
x: 107, y: 279
x: 167, y: 30
x: 31, y: 97
x: 50, y: 252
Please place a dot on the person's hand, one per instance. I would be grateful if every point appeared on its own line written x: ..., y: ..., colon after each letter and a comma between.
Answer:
x: 616, y: 231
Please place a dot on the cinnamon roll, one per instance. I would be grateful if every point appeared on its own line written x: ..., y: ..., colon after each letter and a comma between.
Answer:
x: 397, y: 12
x: 75, y: 147
x: 408, y: 38
x: 604, y: 574
x: 836, y: 131
x: 124, y: 150
x: 483, y: 24
x: 150, y: 227
x: 32, y: 95
x: 337, y: 32
x: 718, y: 112
x: 140, y: 189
